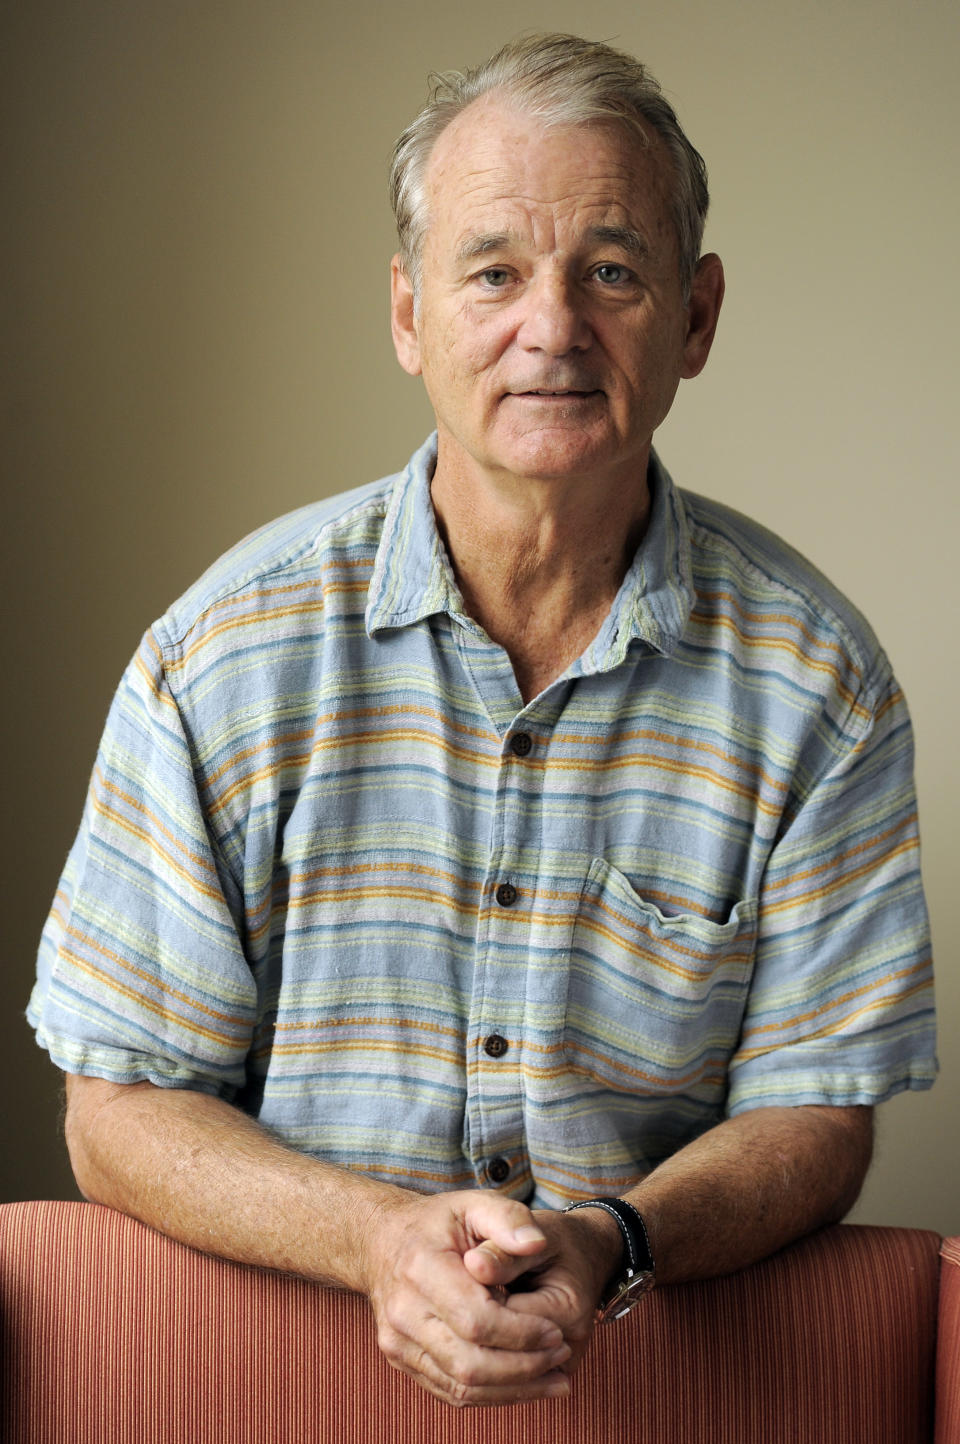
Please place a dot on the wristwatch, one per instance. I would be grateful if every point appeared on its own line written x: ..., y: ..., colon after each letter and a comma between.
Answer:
x: 636, y: 1275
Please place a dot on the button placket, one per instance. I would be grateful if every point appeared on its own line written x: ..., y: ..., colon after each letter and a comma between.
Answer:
x: 496, y: 1131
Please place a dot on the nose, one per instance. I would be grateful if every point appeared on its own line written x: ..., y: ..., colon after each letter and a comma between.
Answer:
x: 554, y: 320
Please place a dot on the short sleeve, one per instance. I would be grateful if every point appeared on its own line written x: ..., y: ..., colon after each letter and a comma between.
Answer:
x: 840, y: 1009
x: 142, y: 973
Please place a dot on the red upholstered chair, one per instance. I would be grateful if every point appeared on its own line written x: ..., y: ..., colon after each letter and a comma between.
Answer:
x: 114, y: 1335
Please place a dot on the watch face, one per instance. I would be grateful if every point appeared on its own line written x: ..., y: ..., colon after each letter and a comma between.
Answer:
x: 628, y: 1294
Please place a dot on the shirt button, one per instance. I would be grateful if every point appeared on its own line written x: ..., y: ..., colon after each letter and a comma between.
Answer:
x: 498, y: 1170
x: 521, y: 744
x: 496, y: 1045
x: 507, y: 894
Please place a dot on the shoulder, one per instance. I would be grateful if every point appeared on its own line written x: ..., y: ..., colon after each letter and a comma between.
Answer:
x: 744, y: 571
x: 292, y: 551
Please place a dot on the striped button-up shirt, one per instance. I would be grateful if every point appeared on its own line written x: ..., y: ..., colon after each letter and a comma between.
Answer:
x: 334, y: 870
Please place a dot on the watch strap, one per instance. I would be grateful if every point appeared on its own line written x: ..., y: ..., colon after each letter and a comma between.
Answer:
x: 637, y: 1255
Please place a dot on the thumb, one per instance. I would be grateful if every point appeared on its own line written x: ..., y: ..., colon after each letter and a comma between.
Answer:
x: 493, y: 1266
x: 507, y: 1239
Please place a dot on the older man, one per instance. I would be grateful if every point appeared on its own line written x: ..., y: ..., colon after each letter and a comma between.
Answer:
x: 513, y: 835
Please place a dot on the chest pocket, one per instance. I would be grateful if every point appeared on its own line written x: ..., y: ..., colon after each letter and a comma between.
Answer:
x: 654, y: 1002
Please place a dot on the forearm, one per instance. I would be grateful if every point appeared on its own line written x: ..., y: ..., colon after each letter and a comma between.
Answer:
x: 204, y: 1173
x: 752, y: 1185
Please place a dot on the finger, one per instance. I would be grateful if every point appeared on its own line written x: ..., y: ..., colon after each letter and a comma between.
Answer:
x: 576, y: 1317
x: 493, y: 1266
x: 578, y: 1326
x: 550, y: 1386
x: 465, y: 1373
x: 450, y: 1293
x: 504, y: 1222
x: 554, y: 1385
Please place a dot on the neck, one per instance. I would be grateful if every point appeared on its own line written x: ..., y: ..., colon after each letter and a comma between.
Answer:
x: 539, y: 563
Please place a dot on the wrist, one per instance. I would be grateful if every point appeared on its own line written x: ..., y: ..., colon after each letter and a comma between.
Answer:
x: 374, y: 1219
x: 600, y: 1243
x: 635, y: 1275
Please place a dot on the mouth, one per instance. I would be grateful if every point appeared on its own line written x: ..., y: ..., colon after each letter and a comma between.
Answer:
x: 557, y: 394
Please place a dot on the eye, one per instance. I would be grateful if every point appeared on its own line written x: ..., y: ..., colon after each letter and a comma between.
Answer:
x: 495, y: 277
x: 612, y: 274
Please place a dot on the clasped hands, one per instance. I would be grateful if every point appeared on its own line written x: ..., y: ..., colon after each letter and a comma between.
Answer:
x: 481, y: 1300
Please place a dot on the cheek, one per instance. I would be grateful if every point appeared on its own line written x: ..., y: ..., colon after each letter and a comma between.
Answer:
x: 467, y: 351
x: 654, y: 363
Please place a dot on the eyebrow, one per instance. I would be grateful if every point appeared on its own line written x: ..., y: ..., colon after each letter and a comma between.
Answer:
x: 628, y: 239
x: 625, y: 237
x: 475, y: 246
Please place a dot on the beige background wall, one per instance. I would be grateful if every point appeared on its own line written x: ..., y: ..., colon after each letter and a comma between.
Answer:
x: 196, y: 317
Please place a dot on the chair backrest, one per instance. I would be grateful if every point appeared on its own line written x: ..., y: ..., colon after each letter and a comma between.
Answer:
x: 113, y: 1334
x: 948, y: 1344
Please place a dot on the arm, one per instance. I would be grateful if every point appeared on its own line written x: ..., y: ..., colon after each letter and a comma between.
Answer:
x: 746, y: 1188
x: 752, y: 1185
x: 201, y: 1172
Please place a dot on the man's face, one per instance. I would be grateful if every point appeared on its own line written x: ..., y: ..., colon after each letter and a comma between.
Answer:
x: 551, y: 331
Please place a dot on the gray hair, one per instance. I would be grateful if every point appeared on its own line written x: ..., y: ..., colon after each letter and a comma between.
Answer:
x: 561, y: 80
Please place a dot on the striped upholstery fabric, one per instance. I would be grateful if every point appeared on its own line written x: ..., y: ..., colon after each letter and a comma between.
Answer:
x: 114, y: 1334
x: 948, y: 1345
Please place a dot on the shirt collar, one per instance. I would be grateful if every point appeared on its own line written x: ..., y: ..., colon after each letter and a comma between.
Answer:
x: 413, y: 579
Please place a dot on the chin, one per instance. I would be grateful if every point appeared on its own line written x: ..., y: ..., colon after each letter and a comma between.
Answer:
x: 549, y: 457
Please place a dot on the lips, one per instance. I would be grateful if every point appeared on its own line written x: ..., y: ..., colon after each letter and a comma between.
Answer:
x: 554, y: 391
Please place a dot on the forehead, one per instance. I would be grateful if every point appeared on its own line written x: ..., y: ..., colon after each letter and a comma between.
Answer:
x: 496, y: 165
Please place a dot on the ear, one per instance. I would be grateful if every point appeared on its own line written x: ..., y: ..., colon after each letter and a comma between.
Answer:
x: 403, y: 322
x: 703, y: 312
